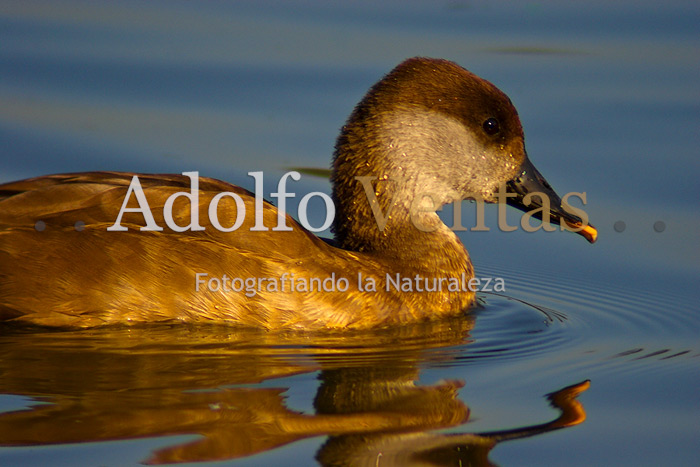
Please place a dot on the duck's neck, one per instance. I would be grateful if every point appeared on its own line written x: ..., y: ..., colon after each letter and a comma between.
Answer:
x: 390, y: 175
x: 402, y: 226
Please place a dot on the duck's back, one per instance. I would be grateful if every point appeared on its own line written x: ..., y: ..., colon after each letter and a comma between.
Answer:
x: 61, y: 266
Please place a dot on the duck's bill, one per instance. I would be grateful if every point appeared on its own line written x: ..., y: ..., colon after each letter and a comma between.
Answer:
x: 531, y: 181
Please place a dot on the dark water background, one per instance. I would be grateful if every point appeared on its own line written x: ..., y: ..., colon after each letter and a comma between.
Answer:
x: 609, y: 96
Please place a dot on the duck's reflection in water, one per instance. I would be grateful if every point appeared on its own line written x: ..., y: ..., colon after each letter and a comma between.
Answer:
x: 158, y: 381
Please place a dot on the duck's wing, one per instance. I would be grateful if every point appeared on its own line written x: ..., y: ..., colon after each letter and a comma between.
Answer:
x: 60, y: 264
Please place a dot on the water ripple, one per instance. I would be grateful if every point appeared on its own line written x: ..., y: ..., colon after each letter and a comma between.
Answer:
x: 543, y: 314
x: 603, y: 306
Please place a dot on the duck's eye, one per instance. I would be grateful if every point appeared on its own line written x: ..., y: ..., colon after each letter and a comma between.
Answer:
x: 491, y: 126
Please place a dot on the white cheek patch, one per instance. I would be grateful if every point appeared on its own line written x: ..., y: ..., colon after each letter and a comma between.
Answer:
x: 440, y: 155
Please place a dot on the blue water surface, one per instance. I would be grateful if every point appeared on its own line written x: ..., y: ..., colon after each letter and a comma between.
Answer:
x: 609, y: 97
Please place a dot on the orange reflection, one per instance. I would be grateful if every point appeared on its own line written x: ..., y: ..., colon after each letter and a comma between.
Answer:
x: 160, y: 381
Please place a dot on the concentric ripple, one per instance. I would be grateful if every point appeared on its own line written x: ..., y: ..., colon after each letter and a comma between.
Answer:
x: 543, y: 314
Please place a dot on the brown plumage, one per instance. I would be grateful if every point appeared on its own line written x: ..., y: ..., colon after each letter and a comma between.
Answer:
x: 422, y: 129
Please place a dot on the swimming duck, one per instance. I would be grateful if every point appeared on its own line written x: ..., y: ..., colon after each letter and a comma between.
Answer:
x: 427, y: 134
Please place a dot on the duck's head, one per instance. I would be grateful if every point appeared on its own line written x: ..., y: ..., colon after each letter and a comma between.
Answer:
x: 429, y: 133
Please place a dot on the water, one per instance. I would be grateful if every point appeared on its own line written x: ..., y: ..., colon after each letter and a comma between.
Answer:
x: 609, y: 101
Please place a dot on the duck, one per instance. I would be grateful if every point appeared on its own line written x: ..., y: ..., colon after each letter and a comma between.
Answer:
x: 427, y: 134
